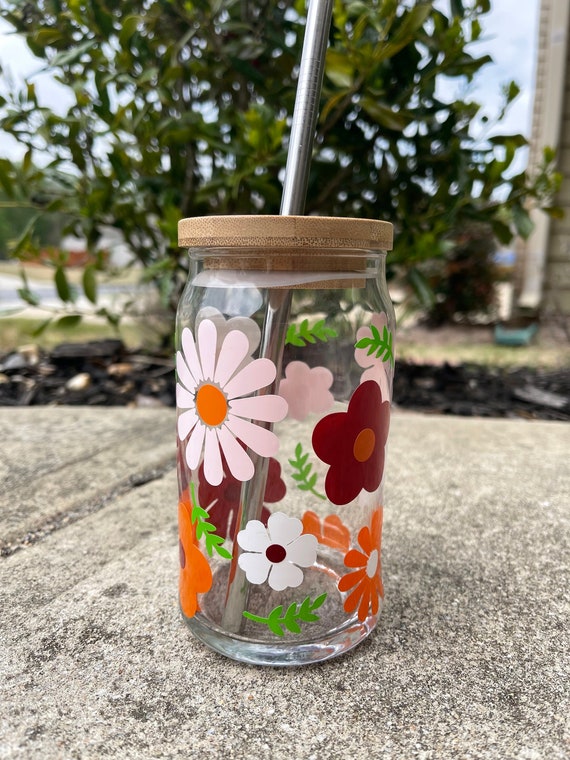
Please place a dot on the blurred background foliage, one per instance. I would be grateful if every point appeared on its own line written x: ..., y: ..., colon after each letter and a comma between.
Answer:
x: 182, y: 108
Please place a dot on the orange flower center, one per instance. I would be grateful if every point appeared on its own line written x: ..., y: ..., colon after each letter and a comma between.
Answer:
x: 211, y: 405
x: 364, y: 445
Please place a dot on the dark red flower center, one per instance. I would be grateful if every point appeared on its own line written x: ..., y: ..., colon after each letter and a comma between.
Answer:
x: 181, y: 554
x: 364, y: 445
x: 275, y: 553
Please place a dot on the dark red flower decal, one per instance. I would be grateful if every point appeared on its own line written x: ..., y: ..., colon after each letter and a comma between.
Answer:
x: 224, y: 499
x: 353, y: 444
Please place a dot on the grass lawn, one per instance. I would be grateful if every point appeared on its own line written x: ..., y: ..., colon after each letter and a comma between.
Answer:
x: 454, y: 344
x: 19, y: 330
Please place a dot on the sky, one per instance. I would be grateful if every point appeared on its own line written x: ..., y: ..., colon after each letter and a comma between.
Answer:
x: 510, y: 33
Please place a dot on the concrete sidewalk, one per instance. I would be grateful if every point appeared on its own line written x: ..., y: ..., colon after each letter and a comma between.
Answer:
x: 470, y: 659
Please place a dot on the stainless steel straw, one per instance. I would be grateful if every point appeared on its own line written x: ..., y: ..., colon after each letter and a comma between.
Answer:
x: 295, y: 183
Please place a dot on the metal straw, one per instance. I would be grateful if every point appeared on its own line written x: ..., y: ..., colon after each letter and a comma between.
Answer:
x: 295, y: 183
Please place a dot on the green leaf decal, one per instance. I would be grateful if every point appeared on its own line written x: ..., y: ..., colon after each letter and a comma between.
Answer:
x: 381, y: 345
x: 300, y: 335
x: 306, y: 480
x: 277, y: 620
x: 205, y: 529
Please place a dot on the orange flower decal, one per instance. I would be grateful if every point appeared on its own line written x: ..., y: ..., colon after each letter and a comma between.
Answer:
x: 365, y: 582
x: 195, y: 572
x: 331, y: 532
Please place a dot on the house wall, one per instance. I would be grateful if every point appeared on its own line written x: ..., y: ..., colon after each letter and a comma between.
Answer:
x: 556, y: 296
x: 543, y: 274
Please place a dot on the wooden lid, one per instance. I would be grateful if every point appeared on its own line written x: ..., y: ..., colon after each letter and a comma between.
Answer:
x: 299, y: 232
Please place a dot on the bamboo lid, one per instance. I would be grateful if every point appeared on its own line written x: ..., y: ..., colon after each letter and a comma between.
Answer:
x: 291, y: 232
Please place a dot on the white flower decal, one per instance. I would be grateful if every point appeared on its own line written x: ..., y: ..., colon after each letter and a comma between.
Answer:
x: 212, y: 409
x: 224, y: 326
x: 277, y: 553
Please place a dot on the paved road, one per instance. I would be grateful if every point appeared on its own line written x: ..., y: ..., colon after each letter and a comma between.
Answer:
x: 108, y: 294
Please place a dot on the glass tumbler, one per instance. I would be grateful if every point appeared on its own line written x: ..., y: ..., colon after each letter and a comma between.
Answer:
x: 284, y: 367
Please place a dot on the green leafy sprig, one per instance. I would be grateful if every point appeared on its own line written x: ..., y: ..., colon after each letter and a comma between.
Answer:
x: 381, y: 345
x: 205, y: 529
x: 304, y: 612
x: 306, y: 479
x: 300, y: 335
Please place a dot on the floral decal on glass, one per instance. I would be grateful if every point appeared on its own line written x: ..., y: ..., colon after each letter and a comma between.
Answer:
x: 365, y: 581
x: 374, y: 352
x: 245, y: 325
x: 278, y: 618
x: 276, y: 553
x: 305, y: 479
x: 224, y: 498
x: 216, y: 412
x: 195, y: 572
x: 300, y: 335
x: 330, y: 531
x: 306, y: 389
x: 353, y: 444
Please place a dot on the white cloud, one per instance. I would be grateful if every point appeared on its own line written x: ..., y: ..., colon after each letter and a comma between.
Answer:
x: 510, y: 36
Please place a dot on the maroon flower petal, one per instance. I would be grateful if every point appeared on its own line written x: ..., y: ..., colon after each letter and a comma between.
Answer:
x: 327, y: 435
x: 222, y: 501
x: 275, y: 489
x: 353, y: 444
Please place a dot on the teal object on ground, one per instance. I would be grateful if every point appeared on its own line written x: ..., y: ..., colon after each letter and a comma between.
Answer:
x: 515, y: 336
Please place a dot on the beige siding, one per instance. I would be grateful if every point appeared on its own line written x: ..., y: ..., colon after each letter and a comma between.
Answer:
x: 557, y: 279
x: 556, y: 268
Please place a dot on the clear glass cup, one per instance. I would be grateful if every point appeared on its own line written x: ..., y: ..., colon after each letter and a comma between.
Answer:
x: 284, y: 361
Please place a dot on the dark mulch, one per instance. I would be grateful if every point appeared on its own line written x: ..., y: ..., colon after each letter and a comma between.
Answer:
x: 104, y: 373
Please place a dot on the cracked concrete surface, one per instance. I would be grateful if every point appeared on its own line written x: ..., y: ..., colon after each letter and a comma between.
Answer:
x: 470, y: 659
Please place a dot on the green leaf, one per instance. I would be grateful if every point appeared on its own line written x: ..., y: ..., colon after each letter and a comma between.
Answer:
x: 276, y: 620
x: 381, y: 345
x: 46, y: 37
x: 69, y: 321
x: 90, y: 283
x: 27, y: 162
x: 129, y: 27
x: 223, y: 552
x: 42, y: 327
x: 457, y: 8
x: 502, y: 231
x: 522, y: 221
x: 62, y: 285
x: 205, y: 529
x: 68, y: 57
x: 300, y: 335
x: 384, y: 115
x: 339, y: 68
x: 318, y: 601
x: 29, y: 297
x: 273, y: 621
x: 555, y: 212
x: 302, y: 475
x: 6, y: 177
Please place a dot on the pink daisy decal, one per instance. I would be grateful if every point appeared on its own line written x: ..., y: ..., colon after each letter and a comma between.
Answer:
x: 216, y: 409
